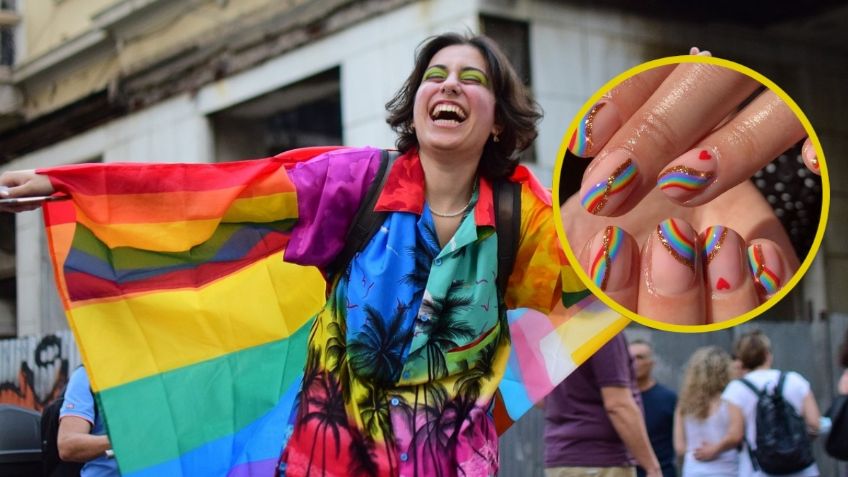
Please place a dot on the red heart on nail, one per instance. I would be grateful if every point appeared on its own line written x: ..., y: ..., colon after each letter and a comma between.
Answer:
x: 722, y: 284
x: 704, y: 156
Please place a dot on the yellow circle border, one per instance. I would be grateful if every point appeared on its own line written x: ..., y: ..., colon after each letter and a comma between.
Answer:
x: 811, y: 254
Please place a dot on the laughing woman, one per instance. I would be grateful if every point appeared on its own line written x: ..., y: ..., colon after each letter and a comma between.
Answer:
x: 405, y: 358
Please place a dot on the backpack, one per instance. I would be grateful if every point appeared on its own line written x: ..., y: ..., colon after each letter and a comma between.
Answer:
x: 51, y: 464
x: 366, y: 222
x: 837, y: 441
x: 783, y: 446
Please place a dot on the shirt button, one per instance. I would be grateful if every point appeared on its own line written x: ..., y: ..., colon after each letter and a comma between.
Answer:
x: 395, y: 401
x: 404, y: 457
x: 437, y: 262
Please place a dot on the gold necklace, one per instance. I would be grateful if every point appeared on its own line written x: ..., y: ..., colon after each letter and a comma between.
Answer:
x: 452, y: 214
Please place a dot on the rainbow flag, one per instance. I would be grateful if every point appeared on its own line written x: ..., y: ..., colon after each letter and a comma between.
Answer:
x: 192, y: 327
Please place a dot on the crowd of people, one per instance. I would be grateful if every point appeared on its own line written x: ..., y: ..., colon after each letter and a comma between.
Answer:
x: 711, y: 426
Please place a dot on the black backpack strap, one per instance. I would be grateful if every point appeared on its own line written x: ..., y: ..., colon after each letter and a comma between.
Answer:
x: 507, y: 199
x: 751, y: 386
x: 778, y: 390
x: 759, y: 393
x: 366, y: 222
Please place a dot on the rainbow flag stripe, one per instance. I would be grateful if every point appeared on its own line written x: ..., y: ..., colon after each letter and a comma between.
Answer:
x: 184, y: 279
x: 764, y: 276
x: 685, y: 178
x: 596, y: 199
x: 679, y: 243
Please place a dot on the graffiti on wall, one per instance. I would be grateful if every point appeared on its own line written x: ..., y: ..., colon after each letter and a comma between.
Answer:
x: 35, y: 370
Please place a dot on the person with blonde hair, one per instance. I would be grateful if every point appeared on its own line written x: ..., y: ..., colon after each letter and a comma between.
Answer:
x: 707, y: 428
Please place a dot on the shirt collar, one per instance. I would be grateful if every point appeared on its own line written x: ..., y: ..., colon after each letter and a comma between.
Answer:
x: 404, y: 191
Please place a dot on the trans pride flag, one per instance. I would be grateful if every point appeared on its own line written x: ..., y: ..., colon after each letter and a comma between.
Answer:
x: 194, y: 330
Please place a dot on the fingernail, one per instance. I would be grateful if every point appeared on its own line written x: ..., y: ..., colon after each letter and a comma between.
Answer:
x: 595, y: 129
x: 609, y: 182
x: 611, y: 256
x: 723, y: 259
x: 689, y: 174
x: 808, y: 152
x: 4, y: 191
x: 766, y: 267
x: 673, y: 264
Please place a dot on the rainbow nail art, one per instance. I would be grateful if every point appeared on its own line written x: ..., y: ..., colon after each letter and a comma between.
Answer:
x: 596, y: 199
x: 763, y: 275
x: 714, y: 239
x: 608, y: 253
x: 686, y: 178
x: 581, y: 141
x: 678, y: 243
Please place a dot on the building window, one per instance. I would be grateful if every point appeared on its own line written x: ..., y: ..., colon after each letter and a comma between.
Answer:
x: 8, y: 20
x: 8, y: 326
x: 306, y: 113
x: 7, y: 46
x: 514, y: 39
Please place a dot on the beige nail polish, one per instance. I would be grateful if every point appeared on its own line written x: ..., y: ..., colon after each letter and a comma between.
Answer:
x: 673, y: 266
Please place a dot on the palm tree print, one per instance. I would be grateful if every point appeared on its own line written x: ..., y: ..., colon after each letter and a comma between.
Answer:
x: 362, y: 456
x: 423, y: 255
x: 325, y: 406
x: 469, y: 384
x: 429, y: 440
x: 442, y: 320
x: 375, y: 353
x: 376, y: 416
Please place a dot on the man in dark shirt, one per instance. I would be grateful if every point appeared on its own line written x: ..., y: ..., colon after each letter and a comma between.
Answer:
x: 593, y: 420
x: 659, y: 403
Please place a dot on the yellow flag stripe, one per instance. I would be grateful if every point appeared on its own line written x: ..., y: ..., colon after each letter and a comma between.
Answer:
x: 184, y: 327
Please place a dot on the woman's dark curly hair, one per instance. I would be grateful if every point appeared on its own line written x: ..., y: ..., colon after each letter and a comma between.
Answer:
x: 515, y: 110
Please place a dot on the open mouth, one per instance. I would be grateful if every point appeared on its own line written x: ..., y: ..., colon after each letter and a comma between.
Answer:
x: 445, y: 114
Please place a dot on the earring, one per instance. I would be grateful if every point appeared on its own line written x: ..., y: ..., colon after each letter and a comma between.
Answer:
x: 495, y: 137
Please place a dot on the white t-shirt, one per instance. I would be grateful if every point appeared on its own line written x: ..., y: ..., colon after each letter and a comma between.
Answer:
x: 795, y: 389
x: 712, y: 429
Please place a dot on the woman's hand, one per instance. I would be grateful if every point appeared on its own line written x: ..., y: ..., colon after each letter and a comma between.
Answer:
x: 694, y: 130
x: 19, y: 184
x: 666, y: 221
x: 707, y: 451
x: 639, y: 275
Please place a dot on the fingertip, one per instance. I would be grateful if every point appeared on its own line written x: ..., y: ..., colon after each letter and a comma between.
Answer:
x: 768, y: 266
x: 674, y: 267
x: 731, y: 290
x: 810, y: 157
x: 687, y: 177
x: 595, y: 129
x: 611, y: 261
x: 609, y: 182
x: 672, y: 290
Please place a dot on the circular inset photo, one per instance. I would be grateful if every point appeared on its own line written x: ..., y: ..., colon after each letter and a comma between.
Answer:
x: 693, y: 193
